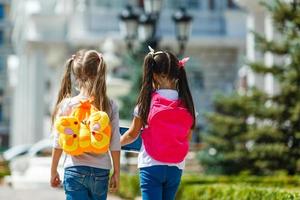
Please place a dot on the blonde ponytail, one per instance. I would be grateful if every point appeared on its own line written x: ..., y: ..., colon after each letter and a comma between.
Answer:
x: 66, y: 86
x: 98, y: 90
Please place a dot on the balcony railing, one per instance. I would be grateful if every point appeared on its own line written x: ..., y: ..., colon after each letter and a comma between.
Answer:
x: 103, y: 21
x: 99, y: 22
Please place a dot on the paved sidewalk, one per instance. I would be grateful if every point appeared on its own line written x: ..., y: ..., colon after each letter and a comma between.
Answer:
x: 7, y: 193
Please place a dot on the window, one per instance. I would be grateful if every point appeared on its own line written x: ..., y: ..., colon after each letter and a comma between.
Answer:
x: 1, y: 37
x: 173, y: 4
x: 212, y: 4
x: 48, y: 85
x: 231, y: 4
x: 2, y: 68
x: 106, y: 3
x: 199, y: 80
x: 141, y: 3
x: 1, y: 113
x: 193, y: 4
x: 189, y: 4
x: 2, y: 11
x: 1, y: 108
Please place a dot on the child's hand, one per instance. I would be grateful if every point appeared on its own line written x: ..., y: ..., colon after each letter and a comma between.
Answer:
x: 55, y: 180
x: 114, y: 182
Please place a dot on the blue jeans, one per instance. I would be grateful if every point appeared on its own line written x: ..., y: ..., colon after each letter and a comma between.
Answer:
x: 159, y: 182
x: 86, y: 183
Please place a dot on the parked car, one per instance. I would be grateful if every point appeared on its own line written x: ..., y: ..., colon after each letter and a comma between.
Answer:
x: 15, y: 151
x: 7, y: 156
x: 32, y: 170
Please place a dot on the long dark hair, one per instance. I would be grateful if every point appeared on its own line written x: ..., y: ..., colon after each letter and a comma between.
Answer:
x: 89, y: 70
x: 163, y: 63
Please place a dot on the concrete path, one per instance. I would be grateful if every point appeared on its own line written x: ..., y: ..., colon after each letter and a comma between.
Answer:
x: 7, y: 193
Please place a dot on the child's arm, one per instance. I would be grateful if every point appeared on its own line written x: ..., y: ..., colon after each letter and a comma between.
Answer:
x: 55, y: 180
x: 115, y: 148
x: 133, y: 131
x: 114, y: 180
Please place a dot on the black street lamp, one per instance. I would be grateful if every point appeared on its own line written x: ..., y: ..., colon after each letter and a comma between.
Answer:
x: 144, y: 26
x: 152, y: 7
x: 146, y: 29
x: 129, y: 25
x: 183, y: 27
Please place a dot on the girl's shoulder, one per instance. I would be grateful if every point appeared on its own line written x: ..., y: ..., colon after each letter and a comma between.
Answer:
x: 112, y: 103
x: 64, y: 107
x: 68, y: 104
x: 113, y: 106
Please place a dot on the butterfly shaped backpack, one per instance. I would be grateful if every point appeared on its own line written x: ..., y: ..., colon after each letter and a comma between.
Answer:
x: 85, y: 130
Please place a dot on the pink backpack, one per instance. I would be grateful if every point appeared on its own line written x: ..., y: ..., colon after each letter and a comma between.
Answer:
x: 166, y: 137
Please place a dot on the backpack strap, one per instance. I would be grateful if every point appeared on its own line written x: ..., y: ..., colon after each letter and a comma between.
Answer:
x: 158, y: 100
x: 156, y: 97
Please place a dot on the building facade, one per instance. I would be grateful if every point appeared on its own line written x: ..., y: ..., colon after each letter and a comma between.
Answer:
x: 259, y: 21
x: 5, y: 51
x: 46, y: 33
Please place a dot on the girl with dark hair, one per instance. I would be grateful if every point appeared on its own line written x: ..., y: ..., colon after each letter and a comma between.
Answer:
x: 165, y: 113
x: 86, y: 175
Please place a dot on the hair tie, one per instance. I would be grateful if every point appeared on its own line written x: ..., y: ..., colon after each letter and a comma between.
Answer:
x: 73, y: 57
x: 182, y: 62
x: 151, y: 51
x: 100, y: 55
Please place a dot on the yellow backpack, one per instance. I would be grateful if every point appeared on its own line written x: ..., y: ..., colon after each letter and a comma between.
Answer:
x: 86, y: 129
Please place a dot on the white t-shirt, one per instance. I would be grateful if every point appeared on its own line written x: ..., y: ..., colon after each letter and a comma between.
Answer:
x: 144, y: 159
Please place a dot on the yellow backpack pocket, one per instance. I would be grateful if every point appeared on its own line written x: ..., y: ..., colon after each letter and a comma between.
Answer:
x: 100, y: 132
x: 68, y: 129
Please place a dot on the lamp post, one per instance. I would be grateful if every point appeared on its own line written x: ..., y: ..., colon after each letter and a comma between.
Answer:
x: 147, y: 29
x: 144, y: 26
x: 129, y: 25
x: 183, y: 27
x: 152, y: 7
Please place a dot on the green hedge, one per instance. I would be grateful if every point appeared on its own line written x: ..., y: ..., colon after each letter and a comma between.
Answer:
x: 223, y: 187
x: 129, y: 186
x: 4, y: 169
x: 234, y: 192
x: 269, y: 181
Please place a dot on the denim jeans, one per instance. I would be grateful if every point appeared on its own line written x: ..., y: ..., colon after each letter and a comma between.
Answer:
x: 86, y: 183
x: 159, y: 182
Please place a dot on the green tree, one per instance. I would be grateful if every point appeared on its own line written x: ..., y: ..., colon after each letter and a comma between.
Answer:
x: 257, y: 132
x: 135, y: 59
x: 135, y: 75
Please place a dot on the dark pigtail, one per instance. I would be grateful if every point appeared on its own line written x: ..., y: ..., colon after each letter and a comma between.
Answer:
x: 144, y: 99
x: 185, y: 93
x: 65, y: 89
